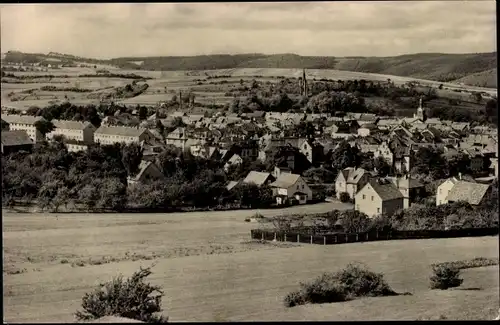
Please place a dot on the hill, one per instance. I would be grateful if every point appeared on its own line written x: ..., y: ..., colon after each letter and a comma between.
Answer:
x: 477, y: 69
x: 486, y: 78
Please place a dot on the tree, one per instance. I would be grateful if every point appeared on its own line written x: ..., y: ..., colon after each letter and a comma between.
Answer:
x: 112, y: 194
x: 131, y: 158
x: 354, y: 221
x: 5, y: 126
x: 160, y: 127
x: 88, y: 196
x: 445, y: 277
x: 142, y: 112
x: 320, y: 175
x: 44, y: 127
x: 131, y: 298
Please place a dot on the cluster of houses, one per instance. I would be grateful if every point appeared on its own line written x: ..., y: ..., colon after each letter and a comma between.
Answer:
x: 234, y: 138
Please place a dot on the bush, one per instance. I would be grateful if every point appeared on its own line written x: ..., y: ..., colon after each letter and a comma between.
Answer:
x: 445, y: 277
x: 344, y: 197
x: 349, y: 283
x: 130, y: 298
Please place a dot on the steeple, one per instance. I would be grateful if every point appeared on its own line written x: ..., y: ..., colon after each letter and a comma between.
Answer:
x: 420, y: 111
x: 303, y: 86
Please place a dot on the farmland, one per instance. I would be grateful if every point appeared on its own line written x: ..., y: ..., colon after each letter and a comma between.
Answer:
x: 27, y: 92
x: 211, y: 272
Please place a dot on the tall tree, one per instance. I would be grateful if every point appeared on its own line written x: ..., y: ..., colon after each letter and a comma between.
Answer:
x: 131, y: 158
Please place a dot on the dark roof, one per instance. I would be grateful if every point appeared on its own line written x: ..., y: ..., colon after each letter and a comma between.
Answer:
x: 386, y: 190
x: 285, y: 180
x: 467, y: 191
x: 15, y: 138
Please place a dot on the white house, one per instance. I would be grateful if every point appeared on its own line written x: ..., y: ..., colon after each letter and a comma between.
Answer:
x: 234, y: 160
x: 289, y: 186
x: 120, y: 134
x: 24, y: 123
x: 73, y: 130
x: 351, y: 180
x: 444, y: 189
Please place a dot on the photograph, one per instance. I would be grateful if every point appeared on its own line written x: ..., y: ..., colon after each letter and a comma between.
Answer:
x: 249, y: 161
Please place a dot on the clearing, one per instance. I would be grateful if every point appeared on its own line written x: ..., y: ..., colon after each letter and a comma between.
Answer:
x: 210, y: 272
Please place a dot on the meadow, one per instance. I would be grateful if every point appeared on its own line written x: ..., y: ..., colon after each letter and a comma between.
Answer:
x: 211, y: 271
x: 166, y: 83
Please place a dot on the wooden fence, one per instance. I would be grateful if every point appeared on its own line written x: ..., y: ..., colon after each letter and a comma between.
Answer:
x: 333, y: 239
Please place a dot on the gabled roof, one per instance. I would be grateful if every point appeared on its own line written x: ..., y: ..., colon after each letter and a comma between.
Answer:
x: 234, y: 159
x: 21, y: 119
x: 257, y: 178
x: 120, y: 131
x: 15, y: 138
x: 386, y: 190
x: 231, y: 185
x: 473, y: 193
x: 286, y: 180
x: 143, y: 166
x: 71, y: 125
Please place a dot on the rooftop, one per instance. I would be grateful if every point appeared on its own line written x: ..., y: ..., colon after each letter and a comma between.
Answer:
x: 15, y: 138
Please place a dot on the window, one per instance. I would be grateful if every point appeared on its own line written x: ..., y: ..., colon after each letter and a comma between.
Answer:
x: 378, y: 210
x: 364, y: 196
x: 372, y: 198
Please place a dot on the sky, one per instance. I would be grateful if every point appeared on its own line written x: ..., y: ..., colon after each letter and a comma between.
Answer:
x: 348, y: 28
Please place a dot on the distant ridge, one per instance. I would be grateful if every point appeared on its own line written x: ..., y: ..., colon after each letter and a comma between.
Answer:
x: 475, y: 69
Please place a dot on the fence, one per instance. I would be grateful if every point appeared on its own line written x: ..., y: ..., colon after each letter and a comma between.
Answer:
x: 333, y: 239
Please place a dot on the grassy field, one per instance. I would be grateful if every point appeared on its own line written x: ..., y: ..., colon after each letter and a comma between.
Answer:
x: 167, y: 83
x: 212, y: 272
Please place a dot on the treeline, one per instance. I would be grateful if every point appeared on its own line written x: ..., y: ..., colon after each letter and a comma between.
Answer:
x: 90, y: 113
x: 71, y: 89
x: 99, y: 75
x: 96, y: 180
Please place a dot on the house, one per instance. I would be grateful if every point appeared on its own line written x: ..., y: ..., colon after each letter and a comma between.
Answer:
x: 472, y: 193
x: 385, y: 152
x: 120, y: 134
x: 75, y: 145
x: 73, y: 130
x: 312, y: 150
x: 258, y: 178
x: 410, y: 188
x: 444, y: 189
x: 14, y: 141
x: 234, y: 160
x: 277, y: 171
x: 148, y: 171
x: 476, y: 159
x: 291, y: 186
x: 24, y: 123
x: 379, y: 197
x: 351, y: 180
x: 494, y: 167
x: 367, y: 129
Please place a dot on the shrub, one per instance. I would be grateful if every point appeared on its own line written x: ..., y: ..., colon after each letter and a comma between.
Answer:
x: 130, y: 298
x: 349, y: 283
x: 445, y: 277
x: 344, y: 197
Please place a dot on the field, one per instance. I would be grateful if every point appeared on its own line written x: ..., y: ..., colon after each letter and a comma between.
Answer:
x: 26, y: 93
x: 212, y: 272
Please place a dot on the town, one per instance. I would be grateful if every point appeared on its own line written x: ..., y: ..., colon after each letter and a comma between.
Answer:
x: 300, y: 157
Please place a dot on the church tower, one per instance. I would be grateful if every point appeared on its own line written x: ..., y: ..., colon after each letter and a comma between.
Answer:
x: 420, y: 111
x: 303, y: 84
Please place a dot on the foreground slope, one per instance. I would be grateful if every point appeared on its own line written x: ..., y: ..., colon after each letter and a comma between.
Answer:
x: 217, y: 277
